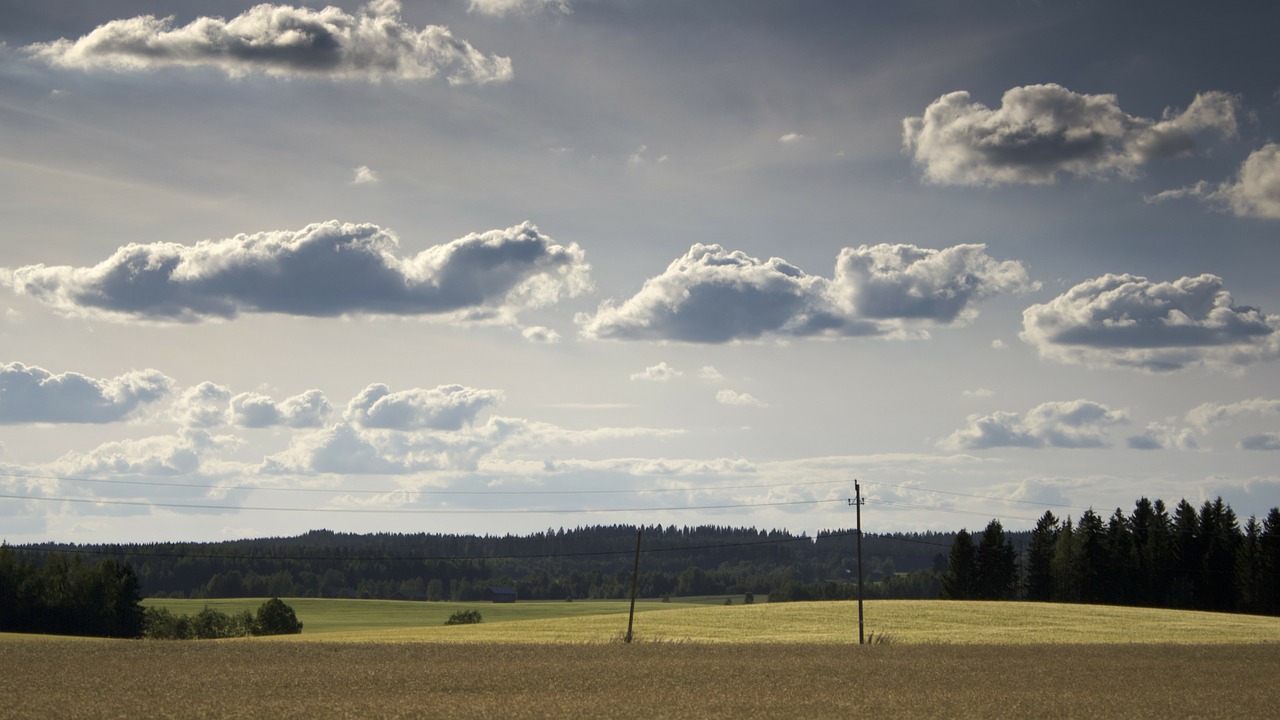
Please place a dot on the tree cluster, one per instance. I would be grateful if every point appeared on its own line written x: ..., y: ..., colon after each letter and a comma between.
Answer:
x: 274, y: 617
x: 1189, y: 559
x: 65, y: 596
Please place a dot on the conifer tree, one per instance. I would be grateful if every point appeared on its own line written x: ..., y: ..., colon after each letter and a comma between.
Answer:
x: 995, y: 565
x: 1039, y: 566
x: 958, y: 583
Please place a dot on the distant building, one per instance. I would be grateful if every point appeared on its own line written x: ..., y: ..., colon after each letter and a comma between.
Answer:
x: 500, y: 595
x: 409, y: 595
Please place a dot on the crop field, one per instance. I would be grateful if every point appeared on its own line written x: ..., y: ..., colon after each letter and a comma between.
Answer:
x: 944, y: 659
x: 251, y: 679
x: 708, y: 621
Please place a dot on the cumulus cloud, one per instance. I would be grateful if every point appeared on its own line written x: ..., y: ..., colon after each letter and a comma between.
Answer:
x: 162, y: 455
x: 364, y: 175
x: 1072, y: 424
x: 1129, y: 321
x: 539, y: 334
x: 1042, y: 131
x: 517, y: 7
x: 1213, y: 414
x: 344, y: 449
x: 205, y: 405
x: 1163, y: 436
x: 732, y: 397
x: 283, y: 41
x: 35, y: 395
x: 710, y: 373
x: 305, y: 410
x: 1254, y: 192
x: 325, y: 269
x: 905, y: 282
x: 661, y: 372
x: 711, y: 295
x: 1264, y: 441
x: 790, y: 138
x: 445, y: 407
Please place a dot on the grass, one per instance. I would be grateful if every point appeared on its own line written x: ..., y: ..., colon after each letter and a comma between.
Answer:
x: 323, y: 616
x: 249, y: 679
x: 904, y: 621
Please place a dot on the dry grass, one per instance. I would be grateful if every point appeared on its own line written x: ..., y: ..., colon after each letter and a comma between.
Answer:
x: 231, y: 679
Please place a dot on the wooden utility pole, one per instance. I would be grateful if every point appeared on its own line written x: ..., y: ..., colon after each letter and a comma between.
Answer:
x: 857, y: 500
x: 635, y: 583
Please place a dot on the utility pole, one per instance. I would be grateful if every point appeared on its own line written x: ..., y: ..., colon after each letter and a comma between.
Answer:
x: 635, y: 581
x: 857, y: 502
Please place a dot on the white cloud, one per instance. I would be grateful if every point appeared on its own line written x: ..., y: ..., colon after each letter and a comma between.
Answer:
x: 305, y: 410
x: 325, y: 269
x: 517, y: 7
x: 905, y: 282
x: 712, y: 295
x: 1073, y: 424
x: 710, y: 374
x: 364, y: 175
x: 445, y: 407
x: 162, y: 455
x: 539, y: 334
x: 347, y: 450
x: 35, y: 395
x: 978, y: 392
x: 1042, y: 131
x: 283, y: 41
x: 662, y: 372
x: 1129, y: 321
x: 731, y: 397
x: 791, y: 138
x: 1255, y: 191
x: 1213, y: 414
x: 1162, y: 436
x: 205, y: 405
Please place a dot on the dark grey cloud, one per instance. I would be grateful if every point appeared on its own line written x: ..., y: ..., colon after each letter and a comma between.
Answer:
x: 445, y: 407
x: 1254, y: 192
x: 325, y: 269
x: 712, y: 295
x: 284, y: 41
x: 1042, y: 131
x: 1072, y: 424
x: 35, y: 395
x: 1263, y: 441
x: 1129, y: 321
x: 517, y: 7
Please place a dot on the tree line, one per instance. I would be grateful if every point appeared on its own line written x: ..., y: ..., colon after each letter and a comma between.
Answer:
x: 593, y: 562
x: 1191, y: 559
x: 66, y: 596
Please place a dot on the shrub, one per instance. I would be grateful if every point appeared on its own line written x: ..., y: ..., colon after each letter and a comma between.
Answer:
x: 276, y: 618
x: 464, y: 617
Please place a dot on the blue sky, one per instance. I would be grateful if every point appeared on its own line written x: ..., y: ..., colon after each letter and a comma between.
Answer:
x: 501, y: 265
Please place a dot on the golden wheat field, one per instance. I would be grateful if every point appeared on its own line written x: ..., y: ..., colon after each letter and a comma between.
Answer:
x: 943, y: 659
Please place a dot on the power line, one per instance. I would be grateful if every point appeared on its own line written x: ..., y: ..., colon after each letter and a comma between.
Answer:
x: 417, y: 511
x: 123, y: 551
x: 265, y: 488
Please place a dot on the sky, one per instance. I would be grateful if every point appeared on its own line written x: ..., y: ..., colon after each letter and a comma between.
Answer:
x: 499, y: 266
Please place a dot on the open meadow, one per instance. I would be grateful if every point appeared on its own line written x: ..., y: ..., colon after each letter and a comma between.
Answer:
x: 944, y: 659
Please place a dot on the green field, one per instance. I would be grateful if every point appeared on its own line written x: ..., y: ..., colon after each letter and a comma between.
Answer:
x: 709, y: 621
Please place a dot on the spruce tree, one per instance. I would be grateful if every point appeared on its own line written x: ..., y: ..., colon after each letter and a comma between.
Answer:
x: 995, y: 565
x: 958, y: 583
x: 1040, y: 558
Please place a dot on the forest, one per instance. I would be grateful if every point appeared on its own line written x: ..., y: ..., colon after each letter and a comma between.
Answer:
x: 1203, y: 560
x: 1195, y: 559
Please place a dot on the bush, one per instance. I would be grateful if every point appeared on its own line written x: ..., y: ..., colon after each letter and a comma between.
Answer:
x: 464, y: 617
x: 276, y: 618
